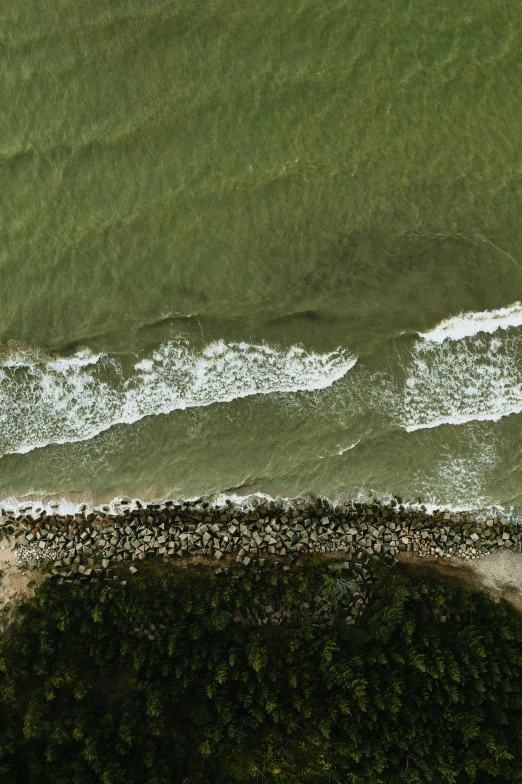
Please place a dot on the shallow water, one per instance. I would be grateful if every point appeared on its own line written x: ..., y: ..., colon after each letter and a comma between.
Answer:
x: 261, y: 247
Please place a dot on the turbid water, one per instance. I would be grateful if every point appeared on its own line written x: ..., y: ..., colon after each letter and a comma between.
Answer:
x: 265, y: 247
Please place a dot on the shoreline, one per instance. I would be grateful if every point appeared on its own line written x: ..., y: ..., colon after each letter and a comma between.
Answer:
x: 263, y: 526
x: 91, y: 545
x: 52, y: 505
x: 356, y: 541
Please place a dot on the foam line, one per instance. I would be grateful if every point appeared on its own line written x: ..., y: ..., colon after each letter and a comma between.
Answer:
x: 463, y: 419
x: 64, y: 506
x: 347, y: 448
x: 56, y: 401
x: 469, y: 324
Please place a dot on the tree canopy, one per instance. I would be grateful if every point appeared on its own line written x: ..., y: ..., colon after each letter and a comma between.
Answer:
x: 87, y: 696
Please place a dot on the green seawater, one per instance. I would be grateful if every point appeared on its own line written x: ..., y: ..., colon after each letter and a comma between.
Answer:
x: 190, y: 190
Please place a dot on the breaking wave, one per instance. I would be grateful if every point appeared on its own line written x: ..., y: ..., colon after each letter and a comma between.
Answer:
x: 45, y: 401
x: 468, y: 324
x: 463, y: 372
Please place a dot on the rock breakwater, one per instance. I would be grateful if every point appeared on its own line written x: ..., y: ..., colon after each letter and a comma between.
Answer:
x: 90, y: 546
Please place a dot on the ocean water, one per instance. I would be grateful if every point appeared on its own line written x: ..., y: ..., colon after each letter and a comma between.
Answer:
x: 261, y: 248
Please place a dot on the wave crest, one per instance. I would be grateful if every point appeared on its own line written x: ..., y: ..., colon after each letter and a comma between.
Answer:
x: 469, y: 324
x: 59, y: 400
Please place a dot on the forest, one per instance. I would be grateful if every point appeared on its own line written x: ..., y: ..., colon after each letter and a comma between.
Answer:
x: 152, y: 682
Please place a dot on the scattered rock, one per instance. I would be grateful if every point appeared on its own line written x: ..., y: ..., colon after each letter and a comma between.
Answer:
x: 74, y: 544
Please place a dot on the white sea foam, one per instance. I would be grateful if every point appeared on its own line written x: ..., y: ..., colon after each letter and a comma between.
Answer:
x: 464, y: 371
x: 73, y: 399
x: 460, y: 468
x: 456, y: 383
x: 35, y: 503
x: 80, y: 359
x: 348, y: 448
x: 469, y: 324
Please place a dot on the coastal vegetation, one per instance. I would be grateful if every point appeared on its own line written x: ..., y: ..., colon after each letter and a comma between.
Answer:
x: 180, y: 676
